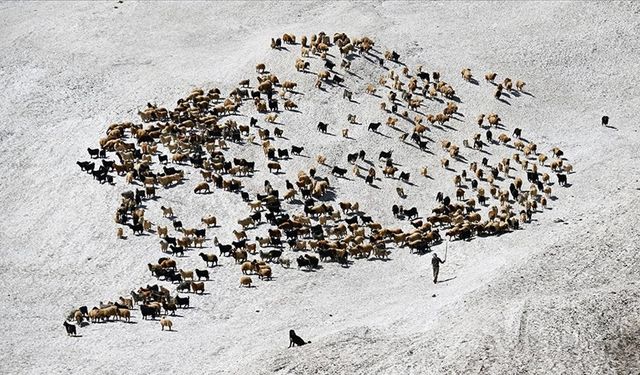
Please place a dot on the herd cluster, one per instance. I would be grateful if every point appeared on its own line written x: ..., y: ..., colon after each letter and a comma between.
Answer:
x: 195, y: 135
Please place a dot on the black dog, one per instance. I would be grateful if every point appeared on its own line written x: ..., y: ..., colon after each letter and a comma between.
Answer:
x: 296, y: 340
x: 71, y: 331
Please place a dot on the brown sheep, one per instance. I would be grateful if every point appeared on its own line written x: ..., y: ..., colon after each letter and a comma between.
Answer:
x: 274, y: 166
x: 202, y: 187
x: 246, y: 223
x: 323, y: 75
x: 197, y: 287
x: 493, y: 119
x: 290, y: 105
x: 444, y: 163
x: 119, y: 233
x: 260, y: 68
x: 245, y: 281
x: 289, y: 85
x: 209, y: 220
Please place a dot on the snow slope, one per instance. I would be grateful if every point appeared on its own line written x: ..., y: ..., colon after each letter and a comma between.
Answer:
x: 560, y: 296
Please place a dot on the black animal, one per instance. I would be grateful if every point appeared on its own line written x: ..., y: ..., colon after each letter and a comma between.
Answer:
x: 71, y: 329
x: 361, y: 154
x: 177, y: 250
x: 411, y: 213
x: 283, y: 153
x: 84, y: 165
x: 256, y: 216
x: 374, y: 126
x: 485, y: 162
x: 338, y: 80
x: 605, y: 120
x: 173, y: 277
x: 303, y: 262
x: 395, y: 209
x: 148, y: 311
x: 369, y: 179
x: 489, y: 136
x: 202, y: 274
x: 394, y: 108
x: 346, y: 94
x: 278, y: 132
x: 201, y: 233
x: 337, y: 171
x: 366, y: 219
x: 385, y: 154
x: 295, y: 150
x: 322, y: 127
x: 295, y: 339
x: 103, y: 153
x: 474, y: 184
x: 352, y: 158
x: 273, y: 105
x: 514, y: 191
x: 446, y: 201
x: 517, y: 132
x: 562, y: 179
x: 313, y: 261
x: 424, y: 76
x: 137, y: 228
x: 422, y: 145
x: 171, y: 240
x: 245, y: 196
x: 177, y: 225
x: 183, y: 302
x: 329, y: 64
x: 532, y: 176
x: 477, y: 144
x: 254, y: 121
x: 93, y: 152
x: 164, y: 159
x: 404, y: 176
x: 225, y: 249
x: 351, y: 220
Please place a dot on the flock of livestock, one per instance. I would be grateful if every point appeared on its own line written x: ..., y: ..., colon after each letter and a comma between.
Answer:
x: 192, y: 140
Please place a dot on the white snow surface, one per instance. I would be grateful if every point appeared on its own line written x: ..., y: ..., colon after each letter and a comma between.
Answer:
x: 558, y: 296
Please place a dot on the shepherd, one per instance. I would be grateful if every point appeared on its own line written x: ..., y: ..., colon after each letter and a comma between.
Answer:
x: 435, y: 263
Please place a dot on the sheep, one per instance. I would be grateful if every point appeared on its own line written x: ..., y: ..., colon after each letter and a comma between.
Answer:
x: 164, y: 322
x: 444, y: 163
x: 345, y: 133
x: 520, y: 85
x: 120, y: 233
x: 321, y: 159
x: 264, y: 273
x: 260, y: 68
x: 202, y: 187
x: 274, y: 166
x: 290, y: 105
x: 209, y: 258
x: 167, y: 211
x: 247, y: 222
x: 271, y: 117
x: 209, y: 220
x: 197, y: 287
x: 245, y: 281
x: 424, y: 171
x: 466, y: 74
x: 490, y: 76
x: 186, y: 274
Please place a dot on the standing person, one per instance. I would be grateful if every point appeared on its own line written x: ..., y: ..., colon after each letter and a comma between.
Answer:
x: 435, y: 263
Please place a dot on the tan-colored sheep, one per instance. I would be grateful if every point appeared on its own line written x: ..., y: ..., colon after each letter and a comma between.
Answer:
x: 466, y: 74
x: 321, y: 159
x: 119, y: 233
x: 271, y: 117
x: 165, y: 322
x: 490, y: 76
x: 520, y: 85
x: 245, y: 281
